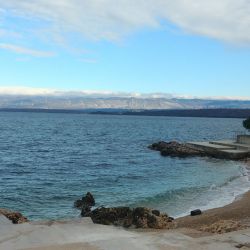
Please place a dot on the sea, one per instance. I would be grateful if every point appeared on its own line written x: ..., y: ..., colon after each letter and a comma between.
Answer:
x: 47, y: 161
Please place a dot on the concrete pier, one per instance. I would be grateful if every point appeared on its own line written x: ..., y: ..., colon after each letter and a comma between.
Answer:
x: 230, y: 149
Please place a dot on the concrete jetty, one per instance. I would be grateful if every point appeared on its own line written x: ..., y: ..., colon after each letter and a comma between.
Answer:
x: 229, y: 149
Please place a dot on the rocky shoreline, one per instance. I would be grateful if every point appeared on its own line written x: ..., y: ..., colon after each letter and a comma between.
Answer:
x: 127, y: 217
x: 206, y: 231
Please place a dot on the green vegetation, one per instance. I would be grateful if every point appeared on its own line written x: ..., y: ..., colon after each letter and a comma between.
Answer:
x: 246, y: 124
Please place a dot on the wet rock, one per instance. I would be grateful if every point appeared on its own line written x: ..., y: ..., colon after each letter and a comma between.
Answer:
x: 195, y: 212
x: 78, y: 204
x: 85, y: 211
x: 175, y: 149
x: 139, y: 217
x: 15, y: 217
x: 89, y: 199
x: 86, y: 202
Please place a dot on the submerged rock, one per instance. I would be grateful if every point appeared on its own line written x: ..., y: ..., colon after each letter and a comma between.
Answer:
x: 174, y: 148
x: 15, y: 217
x: 139, y: 217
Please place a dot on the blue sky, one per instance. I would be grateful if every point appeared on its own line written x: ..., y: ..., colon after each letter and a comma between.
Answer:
x: 44, y: 45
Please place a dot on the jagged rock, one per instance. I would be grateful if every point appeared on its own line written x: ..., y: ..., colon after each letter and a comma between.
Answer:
x: 139, y: 217
x: 174, y: 148
x: 89, y: 199
x: 86, y: 202
x: 108, y: 216
x: 15, y: 217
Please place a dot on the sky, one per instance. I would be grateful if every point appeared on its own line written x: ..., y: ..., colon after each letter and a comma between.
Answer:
x: 183, y: 47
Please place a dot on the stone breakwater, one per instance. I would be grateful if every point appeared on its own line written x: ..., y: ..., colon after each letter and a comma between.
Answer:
x: 176, y: 149
x: 216, y: 149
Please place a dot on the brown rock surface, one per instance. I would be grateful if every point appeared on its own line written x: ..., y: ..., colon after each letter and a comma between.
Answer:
x: 15, y: 217
x: 139, y: 217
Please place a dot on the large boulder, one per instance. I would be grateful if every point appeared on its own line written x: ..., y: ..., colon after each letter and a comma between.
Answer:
x: 139, y: 217
x: 15, y: 217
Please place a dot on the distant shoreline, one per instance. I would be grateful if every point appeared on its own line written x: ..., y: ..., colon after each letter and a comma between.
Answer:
x: 202, y: 113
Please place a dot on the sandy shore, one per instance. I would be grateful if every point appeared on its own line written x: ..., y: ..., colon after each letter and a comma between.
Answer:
x: 238, y: 211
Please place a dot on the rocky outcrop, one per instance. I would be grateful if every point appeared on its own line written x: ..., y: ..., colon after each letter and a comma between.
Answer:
x: 86, y: 203
x: 139, y: 217
x: 176, y: 149
x: 15, y: 217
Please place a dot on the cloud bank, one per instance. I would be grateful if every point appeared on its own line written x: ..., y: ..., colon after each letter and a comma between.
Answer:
x: 226, y: 20
x: 29, y: 91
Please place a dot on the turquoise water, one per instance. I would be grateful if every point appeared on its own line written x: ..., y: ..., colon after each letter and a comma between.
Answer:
x: 47, y: 161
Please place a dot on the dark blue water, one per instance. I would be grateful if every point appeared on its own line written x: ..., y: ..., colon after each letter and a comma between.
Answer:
x: 47, y: 161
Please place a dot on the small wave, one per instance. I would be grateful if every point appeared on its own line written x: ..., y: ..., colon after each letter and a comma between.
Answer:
x: 180, y: 202
x: 169, y: 195
x: 218, y: 196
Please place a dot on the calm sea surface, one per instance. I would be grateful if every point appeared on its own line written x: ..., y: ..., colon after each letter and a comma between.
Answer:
x: 47, y: 161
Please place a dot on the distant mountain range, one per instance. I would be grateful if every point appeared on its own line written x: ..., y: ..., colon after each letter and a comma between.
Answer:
x: 78, y: 102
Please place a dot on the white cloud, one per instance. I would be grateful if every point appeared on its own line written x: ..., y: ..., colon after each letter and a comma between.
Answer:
x: 25, y: 91
x: 25, y: 51
x: 30, y: 91
x: 227, y: 20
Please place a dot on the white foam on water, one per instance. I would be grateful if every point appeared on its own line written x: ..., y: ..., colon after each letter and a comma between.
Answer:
x: 219, y: 196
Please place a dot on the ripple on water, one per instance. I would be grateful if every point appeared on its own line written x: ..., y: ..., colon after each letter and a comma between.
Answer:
x: 47, y: 161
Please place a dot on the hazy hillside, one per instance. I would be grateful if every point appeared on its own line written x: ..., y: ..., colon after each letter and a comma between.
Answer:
x: 83, y: 102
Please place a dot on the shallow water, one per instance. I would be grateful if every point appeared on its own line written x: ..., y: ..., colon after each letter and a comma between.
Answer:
x: 47, y: 161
